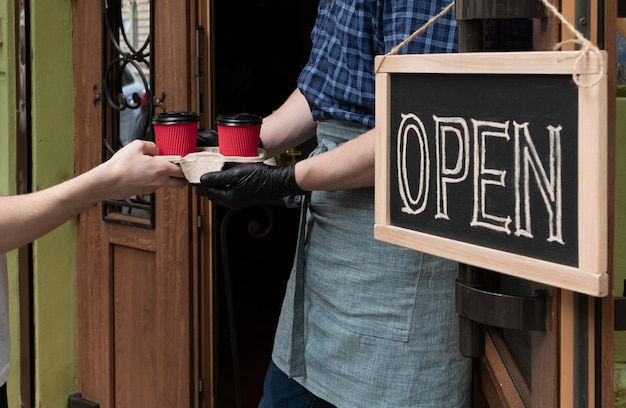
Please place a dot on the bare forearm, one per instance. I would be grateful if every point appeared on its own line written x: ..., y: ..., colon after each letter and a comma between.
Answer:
x: 290, y: 125
x: 132, y: 171
x: 350, y: 165
x: 26, y: 217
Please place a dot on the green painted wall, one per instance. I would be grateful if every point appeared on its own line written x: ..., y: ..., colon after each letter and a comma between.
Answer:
x: 53, y: 162
x: 7, y: 165
x: 7, y: 98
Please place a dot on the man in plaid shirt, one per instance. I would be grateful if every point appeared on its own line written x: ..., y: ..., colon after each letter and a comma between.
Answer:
x: 364, y: 323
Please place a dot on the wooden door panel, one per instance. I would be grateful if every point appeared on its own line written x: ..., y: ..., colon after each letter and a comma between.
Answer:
x: 136, y: 286
x: 93, y: 352
x: 136, y: 353
x: 151, y: 336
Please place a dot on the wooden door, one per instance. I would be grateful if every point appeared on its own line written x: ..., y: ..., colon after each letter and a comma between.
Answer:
x: 513, y: 336
x: 561, y: 364
x: 569, y: 361
x: 137, y: 276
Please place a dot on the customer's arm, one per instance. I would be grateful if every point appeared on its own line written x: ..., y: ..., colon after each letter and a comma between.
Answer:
x: 131, y: 171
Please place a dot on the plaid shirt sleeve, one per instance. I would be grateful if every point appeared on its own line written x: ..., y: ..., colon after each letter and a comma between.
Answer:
x: 338, y: 80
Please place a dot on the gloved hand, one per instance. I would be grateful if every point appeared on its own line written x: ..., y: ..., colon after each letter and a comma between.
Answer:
x: 249, y: 184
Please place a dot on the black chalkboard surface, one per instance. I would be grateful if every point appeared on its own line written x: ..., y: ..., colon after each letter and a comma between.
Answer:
x: 496, y: 160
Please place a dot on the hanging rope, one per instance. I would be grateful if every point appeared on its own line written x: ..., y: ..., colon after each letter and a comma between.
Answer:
x: 586, y: 46
x: 417, y: 32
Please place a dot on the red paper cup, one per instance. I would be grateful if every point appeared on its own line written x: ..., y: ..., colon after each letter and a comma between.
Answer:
x: 175, y: 133
x: 238, y: 134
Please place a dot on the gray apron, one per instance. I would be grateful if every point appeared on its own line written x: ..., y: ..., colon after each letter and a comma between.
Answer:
x: 365, y: 323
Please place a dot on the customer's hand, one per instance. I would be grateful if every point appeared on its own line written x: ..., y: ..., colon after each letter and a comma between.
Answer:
x: 135, y: 169
x: 249, y: 184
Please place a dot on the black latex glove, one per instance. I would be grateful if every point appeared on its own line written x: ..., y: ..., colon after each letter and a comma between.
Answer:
x: 206, y: 138
x: 249, y: 184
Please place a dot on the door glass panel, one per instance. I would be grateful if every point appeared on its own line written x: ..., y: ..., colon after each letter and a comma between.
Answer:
x: 134, y: 40
x: 527, y: 355
x: 620, y: 215
x: 126, y: 85
x: 518, y: 354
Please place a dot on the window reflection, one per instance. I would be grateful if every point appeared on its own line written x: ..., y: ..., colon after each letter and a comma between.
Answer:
x: 621, y: 56
x: 126, y: 86
x: 134, y: 41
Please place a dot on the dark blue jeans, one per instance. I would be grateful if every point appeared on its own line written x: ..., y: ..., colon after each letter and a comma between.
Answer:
x: 280, y: 391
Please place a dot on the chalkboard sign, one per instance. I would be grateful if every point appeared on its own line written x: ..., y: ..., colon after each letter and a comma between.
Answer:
x: 497, y: 160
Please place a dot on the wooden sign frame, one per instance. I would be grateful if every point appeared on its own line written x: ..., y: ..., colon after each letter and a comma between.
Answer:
x: 588, y: 274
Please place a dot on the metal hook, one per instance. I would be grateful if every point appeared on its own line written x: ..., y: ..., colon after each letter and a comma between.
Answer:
x: 159, y: 101
x: 96, y: 94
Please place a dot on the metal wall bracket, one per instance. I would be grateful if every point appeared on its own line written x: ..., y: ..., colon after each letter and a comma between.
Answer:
x: 505, y: 311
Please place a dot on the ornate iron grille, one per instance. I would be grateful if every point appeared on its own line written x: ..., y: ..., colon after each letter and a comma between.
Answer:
x: 128, y: 105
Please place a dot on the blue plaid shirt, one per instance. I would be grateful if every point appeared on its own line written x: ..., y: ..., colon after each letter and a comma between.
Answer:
x: 338, y: 80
